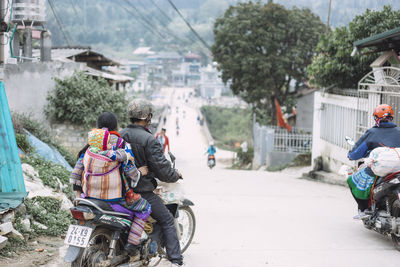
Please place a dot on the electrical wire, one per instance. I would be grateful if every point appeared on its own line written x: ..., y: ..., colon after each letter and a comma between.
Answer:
x: 145, y: 20
x: 170, y: 32
x: 163, y: 23
x: 161, y: 11
x: 188, y: 24
x: 59, y: 22
x: 143, y: 23
x: 74, y: 8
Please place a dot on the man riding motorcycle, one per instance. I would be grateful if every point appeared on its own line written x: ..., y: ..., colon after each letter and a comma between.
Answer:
x: 384, y: 133
x: 148, y: 151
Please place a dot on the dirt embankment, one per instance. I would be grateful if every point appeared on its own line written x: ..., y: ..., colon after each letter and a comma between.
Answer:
x: 43, y: 251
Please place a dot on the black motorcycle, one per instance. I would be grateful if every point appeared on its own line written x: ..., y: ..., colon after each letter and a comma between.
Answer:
x: 100, y: 234
x: 384, y: 214
x: 211, y: 161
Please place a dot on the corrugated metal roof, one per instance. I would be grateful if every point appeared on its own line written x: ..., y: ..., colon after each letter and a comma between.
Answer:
x: 383, y: 41
x: 11, y: 177
x: 109, y: 76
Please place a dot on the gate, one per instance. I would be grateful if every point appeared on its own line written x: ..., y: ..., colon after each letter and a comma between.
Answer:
x: 380, y: 86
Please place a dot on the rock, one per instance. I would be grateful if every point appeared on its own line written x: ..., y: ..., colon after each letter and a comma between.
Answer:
x: 14, y: 233
x: 29, y: 171
x: 21, y: 209
x: 35, y: 243
x: 39, y: 225
x: 8, y: 217
x: 26, y: 223
x: 3, y: 241
x: 6, y: 228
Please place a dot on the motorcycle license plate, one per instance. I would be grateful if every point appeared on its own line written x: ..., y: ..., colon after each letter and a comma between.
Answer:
x: 78, y: 236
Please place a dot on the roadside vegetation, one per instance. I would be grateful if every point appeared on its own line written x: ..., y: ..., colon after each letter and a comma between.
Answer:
x: 80, y: 98
x: 39, y: 216
x: 230, y: 127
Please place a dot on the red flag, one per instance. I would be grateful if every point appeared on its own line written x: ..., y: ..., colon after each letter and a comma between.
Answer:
x: 280, y: 118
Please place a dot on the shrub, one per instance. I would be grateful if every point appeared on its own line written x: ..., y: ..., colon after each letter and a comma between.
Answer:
x: 79, y: 99
x: 228, y: 125
x: 245, y: 158
x: 24, y: 144
x: 47, y: 211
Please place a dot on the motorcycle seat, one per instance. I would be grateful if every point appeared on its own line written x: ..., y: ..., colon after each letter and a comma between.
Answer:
x: 102, y: 204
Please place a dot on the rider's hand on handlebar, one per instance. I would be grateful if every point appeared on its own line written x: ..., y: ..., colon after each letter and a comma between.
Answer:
x: 179, y: 174
x: 144, y: 170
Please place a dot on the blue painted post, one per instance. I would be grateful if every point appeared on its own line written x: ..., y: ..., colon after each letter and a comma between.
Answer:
x: 11, y: 177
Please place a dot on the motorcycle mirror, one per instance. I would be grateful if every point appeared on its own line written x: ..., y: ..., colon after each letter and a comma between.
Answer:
x: 350, y: 141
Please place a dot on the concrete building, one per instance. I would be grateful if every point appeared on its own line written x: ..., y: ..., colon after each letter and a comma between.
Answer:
x: 210, y: 84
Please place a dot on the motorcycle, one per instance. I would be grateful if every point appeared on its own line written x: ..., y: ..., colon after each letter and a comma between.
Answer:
x: 384, y: 214
x: 102, y: 230
x: 211, y: 161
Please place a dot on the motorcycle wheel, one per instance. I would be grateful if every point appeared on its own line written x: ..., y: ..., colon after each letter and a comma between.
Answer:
x: 396, y: 214
x: 187, y: 227
x: 97, y: 249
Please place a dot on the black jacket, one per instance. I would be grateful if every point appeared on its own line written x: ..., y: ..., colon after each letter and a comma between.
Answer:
x: 148, y: 151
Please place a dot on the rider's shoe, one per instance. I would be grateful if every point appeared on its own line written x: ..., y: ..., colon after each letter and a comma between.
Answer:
x: 131, y: 249
x: 361, y: 215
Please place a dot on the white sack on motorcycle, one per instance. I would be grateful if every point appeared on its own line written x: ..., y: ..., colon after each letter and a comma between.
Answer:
x: 384, y: 160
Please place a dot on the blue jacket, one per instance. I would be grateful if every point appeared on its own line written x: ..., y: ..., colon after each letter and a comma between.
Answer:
x: 387, y: 134
x: 211, y: 150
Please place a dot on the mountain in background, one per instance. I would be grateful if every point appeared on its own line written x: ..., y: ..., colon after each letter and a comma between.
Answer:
x: 117, y: 27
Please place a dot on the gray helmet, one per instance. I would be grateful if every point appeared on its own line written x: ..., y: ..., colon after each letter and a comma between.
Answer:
x: 140, y: 109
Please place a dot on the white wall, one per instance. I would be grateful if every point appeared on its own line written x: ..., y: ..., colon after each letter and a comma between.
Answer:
x: 27, y: 84
x: 333, y: 155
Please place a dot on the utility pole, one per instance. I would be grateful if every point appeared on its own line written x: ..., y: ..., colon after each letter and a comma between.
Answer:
x: 5, y: 10
x: 84, y: 15
x: 329, y: 16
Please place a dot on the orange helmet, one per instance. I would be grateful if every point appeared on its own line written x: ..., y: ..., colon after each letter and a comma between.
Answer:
x: 383, y: 111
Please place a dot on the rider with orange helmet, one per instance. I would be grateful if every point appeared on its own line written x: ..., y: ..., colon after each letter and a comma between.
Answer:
x: 384, y: 133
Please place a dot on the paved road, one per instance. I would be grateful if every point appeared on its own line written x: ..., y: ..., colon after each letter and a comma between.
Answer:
x: 259, y: 218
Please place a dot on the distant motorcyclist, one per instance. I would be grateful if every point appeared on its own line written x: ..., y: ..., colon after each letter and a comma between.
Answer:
x: 211, y: 149
x: 384, y: 133
x: 148, y: 151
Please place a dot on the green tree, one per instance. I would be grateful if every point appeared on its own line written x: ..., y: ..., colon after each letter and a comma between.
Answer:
x: 79, y: 99
x: 334, y: 65
x: 262, y: 49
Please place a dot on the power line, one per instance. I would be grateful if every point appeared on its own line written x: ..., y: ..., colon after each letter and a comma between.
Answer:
x: 169, y: 19
x: 73, y: 6
x: 147, y: 25
x: 152, y: 28
x: 59, y: 23
x: 161, y: 11
x: 190, y: 26
x: 165, y: 26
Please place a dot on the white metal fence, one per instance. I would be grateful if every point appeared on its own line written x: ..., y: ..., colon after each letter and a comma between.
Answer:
x: 292, y: 142
x: 272, y: 138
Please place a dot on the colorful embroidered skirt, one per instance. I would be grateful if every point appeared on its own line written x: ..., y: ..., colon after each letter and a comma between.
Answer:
x: 361, y: 182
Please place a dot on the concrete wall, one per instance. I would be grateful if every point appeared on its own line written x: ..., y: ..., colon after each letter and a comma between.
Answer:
x: 27, y: 84
x: 305, y: 111
x: 279, y: 158
x: 72, y: 137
